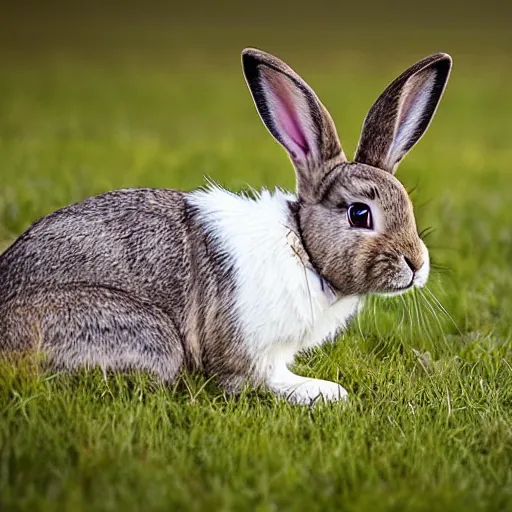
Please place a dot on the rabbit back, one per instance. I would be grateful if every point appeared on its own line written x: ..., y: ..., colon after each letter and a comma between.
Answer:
x: 131, y: 239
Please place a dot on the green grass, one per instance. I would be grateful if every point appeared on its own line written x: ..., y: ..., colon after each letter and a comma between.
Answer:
x: 429, y: 423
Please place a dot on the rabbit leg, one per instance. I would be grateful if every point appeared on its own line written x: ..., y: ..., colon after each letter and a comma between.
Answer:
x: 303, y: 390
x: 86, y: 326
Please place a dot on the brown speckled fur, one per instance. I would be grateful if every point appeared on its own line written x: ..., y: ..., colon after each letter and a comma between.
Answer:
x: 352, y: 261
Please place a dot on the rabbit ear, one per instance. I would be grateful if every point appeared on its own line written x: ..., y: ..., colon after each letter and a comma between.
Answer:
x: 403, y: 112
x: 294, y: 116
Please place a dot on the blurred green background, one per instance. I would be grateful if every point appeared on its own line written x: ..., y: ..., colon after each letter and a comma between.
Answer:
x: 102, y: 95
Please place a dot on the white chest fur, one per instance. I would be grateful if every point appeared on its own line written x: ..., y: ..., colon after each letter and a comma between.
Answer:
x: 280, y: 304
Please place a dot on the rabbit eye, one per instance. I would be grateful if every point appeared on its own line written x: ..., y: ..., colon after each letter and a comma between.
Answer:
x: 360, y: 216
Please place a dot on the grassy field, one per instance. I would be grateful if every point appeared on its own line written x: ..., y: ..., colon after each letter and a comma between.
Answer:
x: 429, y: 423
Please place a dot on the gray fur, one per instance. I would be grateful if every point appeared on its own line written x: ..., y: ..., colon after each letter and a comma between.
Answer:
x: 126, y: 279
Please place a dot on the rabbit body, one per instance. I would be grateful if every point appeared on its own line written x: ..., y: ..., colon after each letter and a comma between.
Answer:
x: 231, y: 285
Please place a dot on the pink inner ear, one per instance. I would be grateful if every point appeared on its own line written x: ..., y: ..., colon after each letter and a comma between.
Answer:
x: 285, y: 108
x: 290, y: 122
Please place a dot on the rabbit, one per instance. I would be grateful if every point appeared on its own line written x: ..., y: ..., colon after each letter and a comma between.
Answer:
x: 227, y: 284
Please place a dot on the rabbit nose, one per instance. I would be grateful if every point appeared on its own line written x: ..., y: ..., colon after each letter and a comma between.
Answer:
x: 411, y: 265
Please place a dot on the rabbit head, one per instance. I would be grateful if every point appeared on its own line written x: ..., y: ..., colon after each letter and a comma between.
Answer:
x: 355, y: 219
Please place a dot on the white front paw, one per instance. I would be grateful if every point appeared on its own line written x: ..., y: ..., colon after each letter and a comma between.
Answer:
x: 303, y: 390
x: 314, y: 390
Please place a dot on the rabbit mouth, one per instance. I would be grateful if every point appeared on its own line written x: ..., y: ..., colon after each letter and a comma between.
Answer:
x: 399, y: 290
x: 409, y: 286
